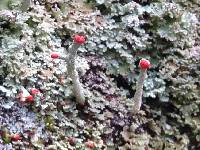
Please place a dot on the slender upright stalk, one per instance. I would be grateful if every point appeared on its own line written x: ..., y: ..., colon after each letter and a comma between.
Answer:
x: 139, y: 91
x: 144, y: 65
x: 71, y: 68
x: 26, y: 4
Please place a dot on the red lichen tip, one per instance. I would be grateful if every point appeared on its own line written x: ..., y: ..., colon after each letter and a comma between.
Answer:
x: 30, y: 98
x: 90, y: 144
x: 79, y: 39
x: 72, y: 141
x: 55, y: 55
x: 144, y: 63
x: 16, y: 137
x: 34, y: 91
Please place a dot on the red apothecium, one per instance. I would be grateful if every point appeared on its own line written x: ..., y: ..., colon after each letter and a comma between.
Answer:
x: 79, y: 39
x: 55, y: 55
x: 144, y: 63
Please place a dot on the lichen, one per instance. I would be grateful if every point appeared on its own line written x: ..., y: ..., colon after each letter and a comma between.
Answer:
x: 118, y: 33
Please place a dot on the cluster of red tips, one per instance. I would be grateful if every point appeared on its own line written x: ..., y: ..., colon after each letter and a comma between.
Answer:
x: 144, y: 64
x: 79, y: 39
x: 16, y: 137
x: 55, y: 55
x: 29, y: 98
x: 90, y: 144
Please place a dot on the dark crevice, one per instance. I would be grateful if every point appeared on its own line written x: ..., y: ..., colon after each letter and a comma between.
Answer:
x: 122, y: 82
x: 188, y: 130
x: 103, y: 9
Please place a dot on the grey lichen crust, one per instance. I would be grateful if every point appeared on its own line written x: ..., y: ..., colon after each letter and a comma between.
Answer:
x: 77, y: 87
x: 124, y: 32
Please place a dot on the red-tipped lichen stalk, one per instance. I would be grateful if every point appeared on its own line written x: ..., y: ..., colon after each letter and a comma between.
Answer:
x: 78, y: 40
x: 144, y: 65
x: 77, y: 87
